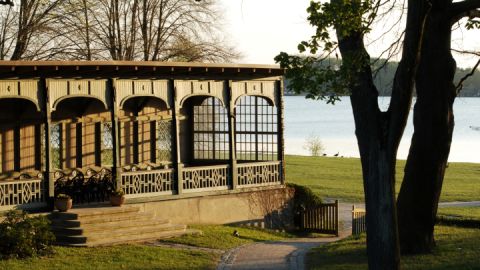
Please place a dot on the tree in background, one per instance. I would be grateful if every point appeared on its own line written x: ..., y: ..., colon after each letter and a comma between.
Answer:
x: 23, y: 30
x: 149, y: 30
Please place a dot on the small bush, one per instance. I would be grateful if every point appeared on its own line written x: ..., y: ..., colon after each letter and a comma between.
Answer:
x: 23, y: 236
x: 314, y: 145
x: 303, y: 197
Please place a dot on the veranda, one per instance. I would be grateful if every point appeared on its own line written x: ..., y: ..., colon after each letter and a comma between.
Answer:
x: 153, y: 129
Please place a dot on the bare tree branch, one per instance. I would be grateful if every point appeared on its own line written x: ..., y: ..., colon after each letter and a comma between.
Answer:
x: 466, y: 8
x: 6, y: 2
x: 459, y: 86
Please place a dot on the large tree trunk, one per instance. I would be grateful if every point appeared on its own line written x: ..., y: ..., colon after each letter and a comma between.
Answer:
x: 430, y: 147
x: 379, y: 133
x: 378, y: 166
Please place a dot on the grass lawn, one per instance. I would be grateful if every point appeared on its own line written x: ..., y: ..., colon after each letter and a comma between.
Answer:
x: 457, y: 248
x: 341, y: 178
x: 117, y: 257
x: 461, y: 212
x: 221, y: 237
x: 136, y: 256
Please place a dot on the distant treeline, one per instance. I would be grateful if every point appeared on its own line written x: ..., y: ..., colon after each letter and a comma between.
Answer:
x: 384, y: 79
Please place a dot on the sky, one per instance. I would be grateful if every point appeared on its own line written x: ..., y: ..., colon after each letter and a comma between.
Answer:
x: 260, y: 29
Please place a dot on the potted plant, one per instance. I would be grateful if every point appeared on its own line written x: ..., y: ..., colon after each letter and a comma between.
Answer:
x: 63, y: 202
x: 117, y: 198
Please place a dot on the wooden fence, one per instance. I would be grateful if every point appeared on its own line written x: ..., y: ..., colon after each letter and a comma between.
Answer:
x: 322, y: 219
x: 359, y: 224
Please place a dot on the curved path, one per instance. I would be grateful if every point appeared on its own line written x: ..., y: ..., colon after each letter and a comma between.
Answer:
x: 290, y: 253
x: 286, y: 254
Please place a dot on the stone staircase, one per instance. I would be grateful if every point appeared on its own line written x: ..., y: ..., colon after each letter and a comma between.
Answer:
x: 110, y: 225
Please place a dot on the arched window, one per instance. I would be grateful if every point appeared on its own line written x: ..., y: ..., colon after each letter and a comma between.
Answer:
x: 210, y: 130
x: 256, y: 129
x: 145, y: 131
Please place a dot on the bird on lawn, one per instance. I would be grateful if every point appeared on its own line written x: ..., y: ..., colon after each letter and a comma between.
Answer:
x: 336, y: 155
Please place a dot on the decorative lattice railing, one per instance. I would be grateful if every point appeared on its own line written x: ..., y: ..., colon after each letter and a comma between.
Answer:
x: 258, y: 173
x: 205, y: 178
x: 27, y: 193
x: 150, y: 183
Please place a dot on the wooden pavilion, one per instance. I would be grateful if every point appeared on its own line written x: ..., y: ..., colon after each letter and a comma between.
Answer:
x: 153, y: 129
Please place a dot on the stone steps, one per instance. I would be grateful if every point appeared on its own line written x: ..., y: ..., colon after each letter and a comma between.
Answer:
x: 101, y: 220
x: 110, y: 225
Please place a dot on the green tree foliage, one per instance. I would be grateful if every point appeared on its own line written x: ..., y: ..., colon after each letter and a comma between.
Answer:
x: 385, y: 73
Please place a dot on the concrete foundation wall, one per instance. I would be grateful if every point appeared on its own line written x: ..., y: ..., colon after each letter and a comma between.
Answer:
x: 272, y: 206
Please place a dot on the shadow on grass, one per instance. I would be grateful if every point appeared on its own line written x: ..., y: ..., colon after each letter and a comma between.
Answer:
x: 457, y: 248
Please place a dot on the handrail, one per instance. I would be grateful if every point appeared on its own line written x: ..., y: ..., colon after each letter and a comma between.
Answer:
x: 260, y: 163
x: 20, y: 181
x: 146, y: 172
x: 194, y: 168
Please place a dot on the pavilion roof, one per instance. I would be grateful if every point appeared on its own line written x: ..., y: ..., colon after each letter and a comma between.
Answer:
x: 10, y: 69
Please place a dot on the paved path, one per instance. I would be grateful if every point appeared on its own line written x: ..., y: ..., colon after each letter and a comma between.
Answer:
x: 290, y: 254
x: 286, y: 254
x: 281, y: 255
x: 459, y: 204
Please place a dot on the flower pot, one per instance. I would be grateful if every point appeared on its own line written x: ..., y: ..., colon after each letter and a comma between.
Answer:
x: 63, y: 204
x: 117, y: 200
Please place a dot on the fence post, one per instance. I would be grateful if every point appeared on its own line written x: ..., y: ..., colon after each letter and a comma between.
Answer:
x: 336, y: 218
x: 354, y: 222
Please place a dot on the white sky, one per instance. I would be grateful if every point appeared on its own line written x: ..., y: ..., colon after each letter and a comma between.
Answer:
x: 260, y: 29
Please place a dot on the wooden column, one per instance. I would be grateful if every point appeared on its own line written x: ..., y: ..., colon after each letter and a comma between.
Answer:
x: 279, y: 87
x: 79, y: 140
x: 135, y: 139
x: 38, y: 147
x: 16, y: 148
x: 177, y: 162
x: 153, y: 141
x: 116, y: 166
x: 231, y: 136
x: 1, y: 150
x: 98, y: 143
x: 49, y: 177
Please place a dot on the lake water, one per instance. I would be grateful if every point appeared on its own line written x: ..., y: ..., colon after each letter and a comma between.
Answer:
x: 334, y: 125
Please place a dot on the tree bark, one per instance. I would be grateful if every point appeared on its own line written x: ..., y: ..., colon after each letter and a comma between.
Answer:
x: 433, y: 129
x: 379, y: 133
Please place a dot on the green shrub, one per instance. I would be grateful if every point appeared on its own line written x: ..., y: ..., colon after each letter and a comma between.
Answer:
x: 303, y: 197
x: 23, y: 236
